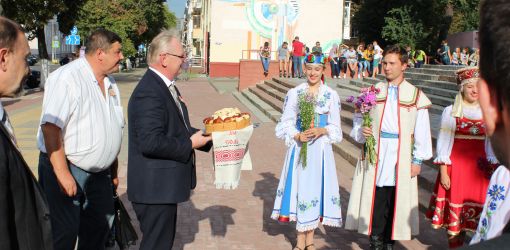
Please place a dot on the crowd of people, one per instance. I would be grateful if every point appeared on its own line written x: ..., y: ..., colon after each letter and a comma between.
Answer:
x: 459, y: 56
x: 82, y: 121
x: 344, y: 60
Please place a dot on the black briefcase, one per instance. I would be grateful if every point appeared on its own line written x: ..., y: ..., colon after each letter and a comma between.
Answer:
x: 125, y: 234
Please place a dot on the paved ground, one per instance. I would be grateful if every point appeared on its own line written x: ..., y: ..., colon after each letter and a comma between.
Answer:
x: 223, y: 219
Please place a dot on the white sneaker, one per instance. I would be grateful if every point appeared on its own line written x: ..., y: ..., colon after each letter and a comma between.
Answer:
x: 335, y: 77
x: 344, y: 76
x: 359, y: 76
x: 363, y: 74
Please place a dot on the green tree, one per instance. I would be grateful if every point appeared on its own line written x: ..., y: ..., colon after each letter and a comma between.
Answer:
x: 401, y: 29
x: 33, y: 15
x: 134, y: 21
x: 465, y: 15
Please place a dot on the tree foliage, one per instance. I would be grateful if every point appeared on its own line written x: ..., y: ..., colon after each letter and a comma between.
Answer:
x: 33, y: 15
x: 465, y: 16
x: 401, y: 29
x: 390, y: 21
x: 134, y: 21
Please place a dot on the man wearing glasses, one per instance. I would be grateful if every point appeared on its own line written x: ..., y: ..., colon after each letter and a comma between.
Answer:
x: 161, y: 164
x: 79, y: 138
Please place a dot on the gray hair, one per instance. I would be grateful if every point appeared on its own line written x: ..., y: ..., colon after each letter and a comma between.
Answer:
x: 161, y: 43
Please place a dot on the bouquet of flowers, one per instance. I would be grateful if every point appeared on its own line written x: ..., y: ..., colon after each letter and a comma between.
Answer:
x: 306, y: 104
x: 364, y: 103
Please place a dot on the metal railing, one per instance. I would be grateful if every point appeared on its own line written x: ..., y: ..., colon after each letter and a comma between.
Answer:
x: 197, y: 61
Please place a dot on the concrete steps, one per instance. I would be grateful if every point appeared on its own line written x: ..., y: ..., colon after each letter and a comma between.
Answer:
x: 444, y: 67
x: 436, y: 96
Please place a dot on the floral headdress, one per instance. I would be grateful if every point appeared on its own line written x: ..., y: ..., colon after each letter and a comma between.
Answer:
x: 464, y: 76
x: 317, y: 58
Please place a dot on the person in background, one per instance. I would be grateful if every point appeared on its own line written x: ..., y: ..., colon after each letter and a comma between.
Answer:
x: 410, y: 56
x: 352, y: 60
x: 473, y: 58
x: 464, y: 57
x: 368, y: 55
x: 494, y: 230
x: 317, y: 48
x: 461, y: 147
x: 420, y: 58
x: 456, y: 57
x: 446, y: 56
x: 378, y: 55
x: 298, y: 52
x: 283, y: 59
x: 265, y: 57
x: 343, y: 59
x: 361, y: 60
x: 334, y: 61
x: 24, y: 212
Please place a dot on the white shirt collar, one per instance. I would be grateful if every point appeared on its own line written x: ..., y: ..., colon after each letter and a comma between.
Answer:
x: 2, y: 110
x: 167, y: 81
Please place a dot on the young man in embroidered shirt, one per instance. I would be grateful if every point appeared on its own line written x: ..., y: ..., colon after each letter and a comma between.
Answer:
x: 384, y: 195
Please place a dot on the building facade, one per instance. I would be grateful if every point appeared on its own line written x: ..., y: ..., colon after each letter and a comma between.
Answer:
x: 220, y: 33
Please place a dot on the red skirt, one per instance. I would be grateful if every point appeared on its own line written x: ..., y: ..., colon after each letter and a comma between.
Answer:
x: 460, y: 207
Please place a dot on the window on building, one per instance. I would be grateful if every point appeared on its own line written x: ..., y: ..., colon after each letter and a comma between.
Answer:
x: 196, y: 22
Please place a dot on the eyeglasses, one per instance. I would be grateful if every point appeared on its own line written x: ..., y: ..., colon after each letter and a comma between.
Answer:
x: 182, y: 57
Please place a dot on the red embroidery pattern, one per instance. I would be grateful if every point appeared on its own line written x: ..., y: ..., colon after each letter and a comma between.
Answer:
x: 229, y: 155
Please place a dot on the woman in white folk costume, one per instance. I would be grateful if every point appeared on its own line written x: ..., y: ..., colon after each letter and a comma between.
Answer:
x: 465, y: 160
x: 384, y: 195
x: 308, y: 190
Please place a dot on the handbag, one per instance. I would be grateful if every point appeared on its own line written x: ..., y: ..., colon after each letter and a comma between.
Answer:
x: 125, y: 234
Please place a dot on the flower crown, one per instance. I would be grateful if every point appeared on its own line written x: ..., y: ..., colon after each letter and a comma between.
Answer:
x: 315, y: 59
x: 467, y: 75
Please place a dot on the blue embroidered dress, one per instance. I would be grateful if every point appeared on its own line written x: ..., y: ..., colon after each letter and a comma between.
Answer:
x: 310, y: 195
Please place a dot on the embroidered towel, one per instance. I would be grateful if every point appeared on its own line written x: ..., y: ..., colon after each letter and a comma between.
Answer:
x: 230, y: 156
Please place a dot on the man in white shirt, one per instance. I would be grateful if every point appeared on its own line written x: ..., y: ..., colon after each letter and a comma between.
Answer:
x: 384, y: 194
x: 79, y: 139
x: 378, y: 55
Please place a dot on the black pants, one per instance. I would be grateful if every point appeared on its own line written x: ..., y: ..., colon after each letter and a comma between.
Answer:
x: 157, y: 222
x: 87, y: 216
x: 382, y: 217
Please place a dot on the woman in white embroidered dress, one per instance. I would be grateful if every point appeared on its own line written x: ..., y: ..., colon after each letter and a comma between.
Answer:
x: 309, y: 194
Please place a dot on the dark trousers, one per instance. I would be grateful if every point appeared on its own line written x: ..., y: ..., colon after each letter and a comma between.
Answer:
x: 157, y: 222
x: 418, y: 64
x: 87, y: 216
x: 335, y: 67
x: 382, y: 217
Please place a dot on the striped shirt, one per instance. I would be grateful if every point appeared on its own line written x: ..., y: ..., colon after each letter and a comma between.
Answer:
x: 91, y: 124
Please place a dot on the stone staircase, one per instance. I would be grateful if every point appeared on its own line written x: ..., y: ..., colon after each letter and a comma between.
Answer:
x: 437, y: 82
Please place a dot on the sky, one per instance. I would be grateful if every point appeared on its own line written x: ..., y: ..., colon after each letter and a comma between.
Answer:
x: 177, y: 7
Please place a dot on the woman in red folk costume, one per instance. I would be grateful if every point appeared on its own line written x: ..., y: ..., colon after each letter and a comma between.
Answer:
x: 463, y: 154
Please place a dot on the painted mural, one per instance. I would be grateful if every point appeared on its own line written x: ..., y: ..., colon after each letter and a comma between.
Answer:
x: 276, y: 21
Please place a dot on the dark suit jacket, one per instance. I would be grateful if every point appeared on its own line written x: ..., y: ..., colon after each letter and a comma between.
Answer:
x: 24, y: 213
x: 161, y: 161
